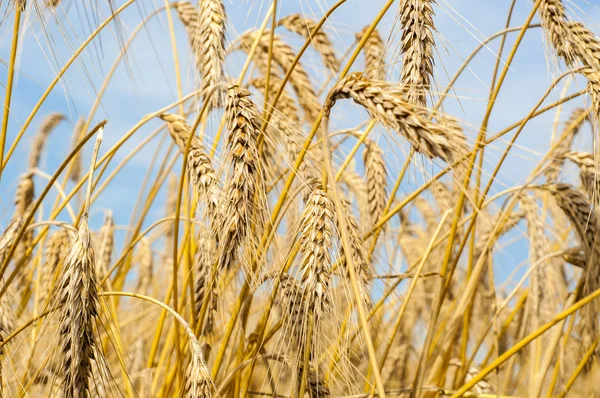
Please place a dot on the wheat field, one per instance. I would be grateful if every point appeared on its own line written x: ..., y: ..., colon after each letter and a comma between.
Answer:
x: 299, y: 198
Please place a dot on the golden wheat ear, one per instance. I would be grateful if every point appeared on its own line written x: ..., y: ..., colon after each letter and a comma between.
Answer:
x: 79, y: 300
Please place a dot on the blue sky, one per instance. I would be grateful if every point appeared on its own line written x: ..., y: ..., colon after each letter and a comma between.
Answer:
x: 148, y: 83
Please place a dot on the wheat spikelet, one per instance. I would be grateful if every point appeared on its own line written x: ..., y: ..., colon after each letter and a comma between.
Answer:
x: 315, y: 243
x: 304, y: 27
x: 593, y: 88
x: 416, y: 19
x: 359, y: 189
x: 198, y: 383
x: 385, y: 104
x: 482, y: 387
x: 39, y: 140
x: 76, y: 166
x: 376, y: 174
x: 244, y: 177
x: 374, y: 51
x: 556, y: 164
x: 575, y: 256
x: 79, y: 300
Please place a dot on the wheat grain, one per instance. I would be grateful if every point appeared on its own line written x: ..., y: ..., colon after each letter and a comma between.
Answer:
x: 376, y: 174
x: 80, y: 300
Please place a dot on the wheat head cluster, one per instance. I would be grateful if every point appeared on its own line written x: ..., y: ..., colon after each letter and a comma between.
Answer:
x: 288, y: 257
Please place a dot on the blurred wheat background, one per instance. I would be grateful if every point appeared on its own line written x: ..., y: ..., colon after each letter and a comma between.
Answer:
x: 291, y: 198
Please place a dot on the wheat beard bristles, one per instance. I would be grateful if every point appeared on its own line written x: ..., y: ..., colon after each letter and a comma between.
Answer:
x: 79, y: 299
x: 416, y: 19
x: 304, y: 27
x: 315, y: 244
x: 374, y: 51
x: 386, y: 105
x: 244, y: 178
x: 39, y: 141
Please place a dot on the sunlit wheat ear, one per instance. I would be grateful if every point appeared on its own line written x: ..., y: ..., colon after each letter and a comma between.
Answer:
x: 547, y: 286
x: 200, y: 169
x: 359, y: 189
x: 576, y: 121
x: 205, y: 285
x: 416, y: 20
x: 198, y: 383
x: 359, y: 254
x: 7, y: 315
x: 76, y: 162
x: 320, y: 41
x: 55, y: 253
x: 23, y: 200
x: 385, y: 103
x: 588, y: 172
x: 376, y: 174
x: 293, y: 311
x: 374, y: 52
x: 585, y: 222
x: 554, y: 22
x: 107, y: 240
x: 40, y: 138
x: 315, y: 245
x: 284, y: 56
x: 79, y: 300
x: 243, y: 179
x: 146, y: 263
x: 212, y: 46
